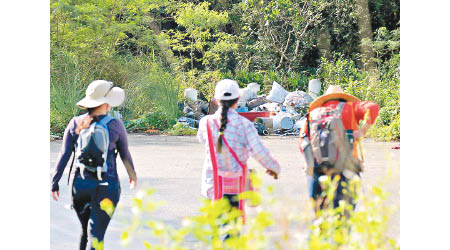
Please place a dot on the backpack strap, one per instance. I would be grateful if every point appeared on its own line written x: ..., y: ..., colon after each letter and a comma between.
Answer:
x: 105, y: 120
x: 243, y: 179
x: 71, y: 165
x: 74, y: 154
x: 340, y: 107
x: 213, y: 161
x: 230, y: 149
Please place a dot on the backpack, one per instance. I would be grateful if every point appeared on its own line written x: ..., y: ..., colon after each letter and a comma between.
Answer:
x: 91, y: 149
x: 330, y: 144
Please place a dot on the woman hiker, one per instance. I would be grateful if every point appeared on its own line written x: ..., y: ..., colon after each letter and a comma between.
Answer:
x: 352, y: 111
x: 91, y: 186
x: 230, y: 140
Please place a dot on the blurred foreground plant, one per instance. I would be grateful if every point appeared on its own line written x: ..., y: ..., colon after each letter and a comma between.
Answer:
x: 272, y: 225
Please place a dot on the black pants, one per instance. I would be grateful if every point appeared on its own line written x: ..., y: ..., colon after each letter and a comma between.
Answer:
x: 86, y: 197
x: 234, y: 202
x: 232, y: 199
x: 339, y: 195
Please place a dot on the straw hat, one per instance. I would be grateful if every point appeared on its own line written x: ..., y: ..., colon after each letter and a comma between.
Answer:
x: 333, y: 92
x: 99, y: 92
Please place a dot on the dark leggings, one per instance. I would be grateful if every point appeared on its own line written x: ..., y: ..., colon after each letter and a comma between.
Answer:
x: 339, y: 195
x: 232, y: 199
x: 234, y: 202
x: 86, y: 197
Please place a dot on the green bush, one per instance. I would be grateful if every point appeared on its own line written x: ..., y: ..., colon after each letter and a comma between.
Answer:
x: 148, y: 86
x: 157, y: 119
x: 66, y: 88
x: 343, y: 72
x: 382, y: 87
x: 180, y: 129
x: 152, y: 87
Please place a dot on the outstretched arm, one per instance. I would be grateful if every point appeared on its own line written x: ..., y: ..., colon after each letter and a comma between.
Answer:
x: 260, y: 152
x: 64, y: 156
x: 366, y: 111
x: 124, y: 152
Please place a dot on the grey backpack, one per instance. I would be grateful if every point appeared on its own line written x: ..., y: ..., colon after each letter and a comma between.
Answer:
x: 92, y: 148
x: 330, y: 144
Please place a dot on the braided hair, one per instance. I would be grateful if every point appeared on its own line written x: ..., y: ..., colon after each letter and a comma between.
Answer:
x: 225, y: 105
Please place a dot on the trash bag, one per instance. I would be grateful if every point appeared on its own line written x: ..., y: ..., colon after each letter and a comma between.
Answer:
x: 278, y: 93
x: 257, y: 102
x: 297, y: 99
x: 246, y: 95
x: 196, y: 109
x: 254, y: 87
x: 272, y: 107
x: 190, y: 94
x: 314, y: 86
x: 188, y: 122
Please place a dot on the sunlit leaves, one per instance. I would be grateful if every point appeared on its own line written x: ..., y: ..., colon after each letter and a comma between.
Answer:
x: 125, y: 237
x: 107, y: 206
x: 97, y: 245
x: 332, y: 228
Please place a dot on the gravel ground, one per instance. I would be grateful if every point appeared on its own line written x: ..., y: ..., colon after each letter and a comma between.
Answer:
x: 172, y: 165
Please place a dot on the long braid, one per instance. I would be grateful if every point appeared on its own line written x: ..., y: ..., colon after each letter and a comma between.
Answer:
x: 225, y: 105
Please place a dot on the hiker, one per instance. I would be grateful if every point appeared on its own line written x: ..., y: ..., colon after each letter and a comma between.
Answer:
x: 95, y: 138
x: 326, y: 153
x: 230, y: 140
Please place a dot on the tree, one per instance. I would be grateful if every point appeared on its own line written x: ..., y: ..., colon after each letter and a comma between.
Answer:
x: 365, y: 33
x: 198, y: 39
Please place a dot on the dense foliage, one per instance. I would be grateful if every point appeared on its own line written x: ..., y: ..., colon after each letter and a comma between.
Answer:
x: 155, y: 49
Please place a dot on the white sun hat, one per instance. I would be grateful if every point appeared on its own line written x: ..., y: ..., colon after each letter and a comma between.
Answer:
x: 99, y: 92
x: 226, y: 89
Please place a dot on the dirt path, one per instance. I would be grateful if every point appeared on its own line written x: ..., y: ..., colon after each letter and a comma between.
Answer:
x: 172, y: 165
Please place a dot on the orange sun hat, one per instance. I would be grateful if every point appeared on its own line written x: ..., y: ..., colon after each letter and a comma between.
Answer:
x: 333, y: 92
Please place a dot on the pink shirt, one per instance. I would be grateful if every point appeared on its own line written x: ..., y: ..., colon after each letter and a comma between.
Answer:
x: 243, y: 138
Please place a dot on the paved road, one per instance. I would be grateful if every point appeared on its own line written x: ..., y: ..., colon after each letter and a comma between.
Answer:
x: 172, y: 165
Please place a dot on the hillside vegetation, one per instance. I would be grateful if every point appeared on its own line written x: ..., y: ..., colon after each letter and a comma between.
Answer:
x: 155, y: 49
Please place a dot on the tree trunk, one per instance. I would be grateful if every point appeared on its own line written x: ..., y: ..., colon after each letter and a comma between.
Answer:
x: 324, y: 43
x: 365, y: 33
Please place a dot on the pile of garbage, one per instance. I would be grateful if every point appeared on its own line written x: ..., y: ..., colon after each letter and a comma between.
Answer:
x: 193, y: 109
x: 280, y: 112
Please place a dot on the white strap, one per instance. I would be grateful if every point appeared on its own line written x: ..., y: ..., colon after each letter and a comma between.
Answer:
x: 92, y: 128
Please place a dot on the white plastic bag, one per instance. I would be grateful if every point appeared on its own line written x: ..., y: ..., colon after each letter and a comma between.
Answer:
x: 190, y: 94
x: 254, y: 87
x: 297, y: 98
x: 246, y: 95
x: 278, y: 93
x: 272, y: 107
x: 314, y: 86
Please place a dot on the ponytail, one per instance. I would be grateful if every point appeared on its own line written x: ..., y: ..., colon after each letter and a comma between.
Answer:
x: 90, y: 110
x: 225, y: 105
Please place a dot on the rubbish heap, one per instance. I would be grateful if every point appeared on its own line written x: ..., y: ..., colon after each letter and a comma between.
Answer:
x: 280, y: 112
x: 193, y: 109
